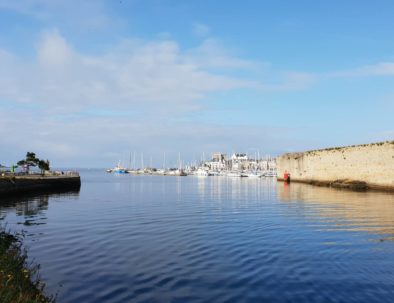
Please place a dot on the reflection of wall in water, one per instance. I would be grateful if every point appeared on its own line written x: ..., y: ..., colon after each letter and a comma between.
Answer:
x: 30, y: 205
x: 367, y: 211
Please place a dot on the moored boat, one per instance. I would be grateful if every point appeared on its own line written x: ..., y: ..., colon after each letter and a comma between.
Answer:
x: 234, y: 174
x: 202, y: 173
x: 254, y: 175
x: 119, y: 170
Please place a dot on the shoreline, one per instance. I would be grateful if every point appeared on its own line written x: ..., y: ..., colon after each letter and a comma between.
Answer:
x: 19, y: 279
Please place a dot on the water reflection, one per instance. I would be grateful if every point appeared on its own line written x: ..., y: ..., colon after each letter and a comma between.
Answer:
x: 174, y: 239
x: 32, y: 206
x: 239, y: 189
x: 371, y: 212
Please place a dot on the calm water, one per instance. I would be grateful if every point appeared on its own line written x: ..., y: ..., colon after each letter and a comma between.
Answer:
x: 190, y: 239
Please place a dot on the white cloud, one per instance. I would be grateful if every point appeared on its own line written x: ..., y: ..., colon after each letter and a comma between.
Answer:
x: 5, y: 56
x: 291, y: 81
x: 82, y: 14
x: 64, y: 102
x: 101, y: 141
x: 211, y: 54
x: 201, y: 30
x: 378, y: 69
x: 134, y: 74
x: 52, y: 98
x: 54, y: 50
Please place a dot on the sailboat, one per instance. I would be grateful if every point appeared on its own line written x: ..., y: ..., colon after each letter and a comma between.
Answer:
x: 180, y: 171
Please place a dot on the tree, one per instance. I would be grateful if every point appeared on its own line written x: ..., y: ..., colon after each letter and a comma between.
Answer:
x: 30, y: 161
x: 43, y: 165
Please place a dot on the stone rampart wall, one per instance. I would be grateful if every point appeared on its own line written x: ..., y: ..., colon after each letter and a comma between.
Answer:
x: 371, y: 163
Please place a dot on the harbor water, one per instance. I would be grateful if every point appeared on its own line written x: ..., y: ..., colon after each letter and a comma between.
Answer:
x: 136, y: 238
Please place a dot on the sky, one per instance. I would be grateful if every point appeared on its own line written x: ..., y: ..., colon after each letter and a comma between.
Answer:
x: 86, y: 83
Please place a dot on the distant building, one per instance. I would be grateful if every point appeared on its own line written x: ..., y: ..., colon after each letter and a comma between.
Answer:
x: 268, y: 164
x: 239, y: 161
x: 218, y: 157
x: 239, y: 157
x: 218, y: 162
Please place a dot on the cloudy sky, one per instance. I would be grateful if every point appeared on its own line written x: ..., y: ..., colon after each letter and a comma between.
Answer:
x: 84, y: 83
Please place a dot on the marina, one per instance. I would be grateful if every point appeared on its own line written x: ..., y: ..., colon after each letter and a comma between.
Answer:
x: 165, y: 151
x: 238, y: 165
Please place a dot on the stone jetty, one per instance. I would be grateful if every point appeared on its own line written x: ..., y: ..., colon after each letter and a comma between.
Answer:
x: 14, y: 184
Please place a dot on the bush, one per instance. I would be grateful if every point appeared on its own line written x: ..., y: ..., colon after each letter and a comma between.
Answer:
x: 18, y: 281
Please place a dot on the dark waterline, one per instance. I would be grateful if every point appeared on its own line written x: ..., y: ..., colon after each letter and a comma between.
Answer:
x: 189, y: 239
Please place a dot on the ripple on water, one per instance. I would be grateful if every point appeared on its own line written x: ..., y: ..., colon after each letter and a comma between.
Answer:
x: 162, y: 239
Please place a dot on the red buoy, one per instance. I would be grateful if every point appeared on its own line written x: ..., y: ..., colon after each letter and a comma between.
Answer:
x: 286, y: 176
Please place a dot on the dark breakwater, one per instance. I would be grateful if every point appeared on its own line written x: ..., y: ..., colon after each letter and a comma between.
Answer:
x: 11, y: 185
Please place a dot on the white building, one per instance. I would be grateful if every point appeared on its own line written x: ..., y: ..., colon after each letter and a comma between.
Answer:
x: 218, y: 162
x: 239, y: 161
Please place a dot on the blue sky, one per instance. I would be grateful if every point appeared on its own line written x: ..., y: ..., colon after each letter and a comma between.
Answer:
x: 84, y: 84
